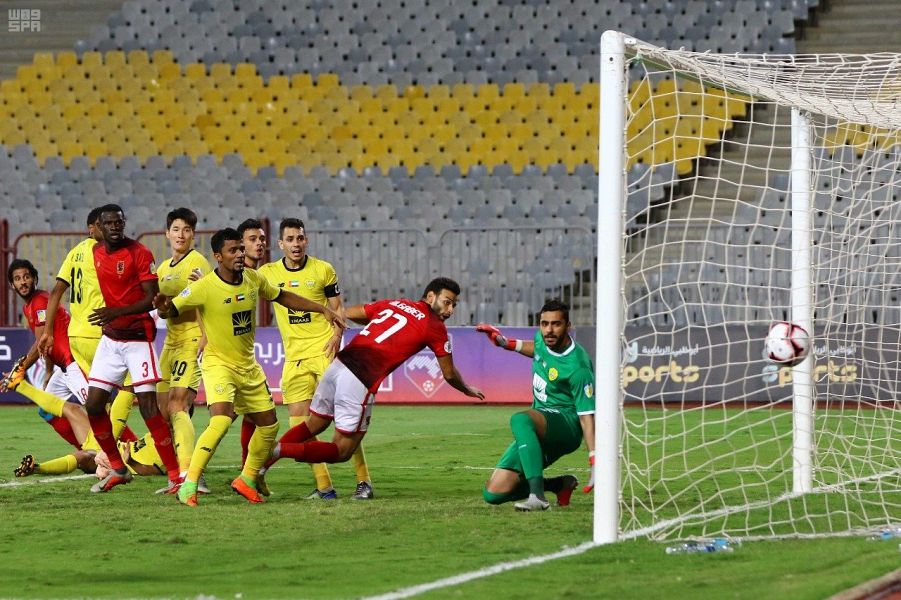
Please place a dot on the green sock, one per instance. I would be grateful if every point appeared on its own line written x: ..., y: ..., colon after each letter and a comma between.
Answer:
x: 520, y: 492
x: 251, y: 481
x: 530, y: 454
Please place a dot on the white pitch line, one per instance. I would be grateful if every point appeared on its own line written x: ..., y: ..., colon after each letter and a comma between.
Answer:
x: 485, y: 572
x: 46, y: 480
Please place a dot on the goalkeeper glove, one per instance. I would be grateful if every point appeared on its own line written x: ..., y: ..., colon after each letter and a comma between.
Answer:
x: 495, y: 335
x: 590, y: 485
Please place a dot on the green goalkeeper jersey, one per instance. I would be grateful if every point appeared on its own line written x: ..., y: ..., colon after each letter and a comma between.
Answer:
x: 562, y: 381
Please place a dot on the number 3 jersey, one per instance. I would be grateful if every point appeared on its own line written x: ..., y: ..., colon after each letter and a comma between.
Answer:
x: 84, y: 292
x: 397, y: 330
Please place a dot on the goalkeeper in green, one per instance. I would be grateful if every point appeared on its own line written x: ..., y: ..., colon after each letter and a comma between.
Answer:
x: 562, y: 414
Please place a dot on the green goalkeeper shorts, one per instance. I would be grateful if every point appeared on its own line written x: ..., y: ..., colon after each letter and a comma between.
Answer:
x: 563, y: 436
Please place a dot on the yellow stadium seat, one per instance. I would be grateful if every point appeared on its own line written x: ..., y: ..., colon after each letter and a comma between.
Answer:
x: 195, y: 148
x: 488, y: 91
x: 170, y: 71
x: 43, y: 60
x: 138, y: 58
x: 92, y: 60
x: 114, y: 59
x: 162, y: 57
x: 438, y: 92
x: 386, y: 91
x: 66, y: 59
x: 245, y: 71
x: 195, y: 71
x: 360, y: 93
x: 462, y: 91
x: 328, y: 80
x: 302, y: 82
x: 280, y: 84
x: 414, y: 91
x: 220, y: 71
x: 282, y: 162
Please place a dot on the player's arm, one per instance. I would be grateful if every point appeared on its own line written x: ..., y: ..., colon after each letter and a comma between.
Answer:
x: 524, y: 347
x: 334, y: 343
x: 165, y: 308
x: 453, y: 377
x: 45, y: 339
x: 103, y: 315
x: 295, y: 302
x: 357, y: 314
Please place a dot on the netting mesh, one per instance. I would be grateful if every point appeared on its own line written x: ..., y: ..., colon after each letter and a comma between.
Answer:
x: 707, y: 429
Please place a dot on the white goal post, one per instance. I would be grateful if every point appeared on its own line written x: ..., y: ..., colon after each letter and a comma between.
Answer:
x: 735, y: 191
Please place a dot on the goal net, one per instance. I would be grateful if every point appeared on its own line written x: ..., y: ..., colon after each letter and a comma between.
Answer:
x: 754, y: 189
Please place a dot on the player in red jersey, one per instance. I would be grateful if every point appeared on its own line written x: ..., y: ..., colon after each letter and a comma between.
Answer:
x: 127, y: 278
x: 395, y: 330
x: 67, y: 379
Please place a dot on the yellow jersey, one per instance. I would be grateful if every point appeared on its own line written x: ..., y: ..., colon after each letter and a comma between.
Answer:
x: 304, y: 334
x: 85, y: 296
x: 173, y: 279
x: 229, y: 313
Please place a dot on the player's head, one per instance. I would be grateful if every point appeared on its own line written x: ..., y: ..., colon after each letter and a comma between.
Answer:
x: 228, y: 249
x: 93, y: 223
x: 292, y: 239
x: 254, y: 237
x: 111, y: 221
x: 553, y: 322
x: 23, y: 277
x: 180, y: 224
x: 441, y: 294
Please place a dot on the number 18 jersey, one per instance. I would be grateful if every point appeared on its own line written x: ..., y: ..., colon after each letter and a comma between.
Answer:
x: 397, y: 330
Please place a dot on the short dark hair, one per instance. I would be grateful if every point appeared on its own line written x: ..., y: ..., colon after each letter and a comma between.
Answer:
x: 556, y: 306
x: 292, y: 223
x: 109, y: 208
x: 21, y: 263
x: 93, y: 215
x: 442, y: 283
x: 185, y: 214
x: 249, y: 224
x: 223, y: 235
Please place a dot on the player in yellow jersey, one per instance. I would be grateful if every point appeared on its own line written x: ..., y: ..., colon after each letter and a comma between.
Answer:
x: 179, y: 370
x: 78, y: 275
x: 304, y: 336
x: 234, y: 381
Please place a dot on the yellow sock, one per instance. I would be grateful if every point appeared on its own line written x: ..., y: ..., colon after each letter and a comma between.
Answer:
x: 206, y: 445
x: 119, y: 411
x: 320, y: 470
x: 183, y: 437
x: 359, y: 462
x: 259, y: 448
x: 45, y: 400
x: 57, y: 466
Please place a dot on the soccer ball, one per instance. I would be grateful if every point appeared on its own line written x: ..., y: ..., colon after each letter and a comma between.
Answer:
x: 787, y: 344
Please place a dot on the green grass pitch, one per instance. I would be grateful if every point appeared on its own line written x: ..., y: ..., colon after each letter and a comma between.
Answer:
x: 428, y: 522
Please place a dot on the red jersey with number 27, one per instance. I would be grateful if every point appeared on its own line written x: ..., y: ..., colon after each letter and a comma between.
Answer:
x: 397, y: 330
x: 120, y: 274
x: 35, y: 311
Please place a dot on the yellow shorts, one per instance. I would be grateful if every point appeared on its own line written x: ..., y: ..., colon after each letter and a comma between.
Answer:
x: 245, y: 388
x: 300, y: 378
x: 83, y: 351
x: 179, y: 368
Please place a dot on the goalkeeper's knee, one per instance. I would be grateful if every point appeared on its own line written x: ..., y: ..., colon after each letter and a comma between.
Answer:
x: 521, y: 420
x: 492, y: 498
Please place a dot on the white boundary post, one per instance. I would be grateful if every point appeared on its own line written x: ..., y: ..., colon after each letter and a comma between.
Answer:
x: 801, y: 295
x: 608, y: 318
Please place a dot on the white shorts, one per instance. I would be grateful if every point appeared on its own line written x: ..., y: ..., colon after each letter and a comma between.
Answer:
x: 344, y: 398
x: 114, y: 359
x: 71, y: 383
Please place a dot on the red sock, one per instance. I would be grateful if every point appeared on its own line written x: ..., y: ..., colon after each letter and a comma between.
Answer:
x: 297, y: 434
x: 311, y: 452
x: 62, y: 426
x: 128, y: 435
x: 162, y: 439
x: 247, y: 429
x: 103, y: 433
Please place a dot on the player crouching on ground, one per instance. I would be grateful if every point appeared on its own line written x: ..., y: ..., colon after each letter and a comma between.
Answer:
x: 562, y: 414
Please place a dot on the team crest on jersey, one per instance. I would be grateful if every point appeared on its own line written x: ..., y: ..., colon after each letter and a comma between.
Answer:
x: 311, y: 284
x: 424, y: 372
x: 42, y: 316
x: 552, y: 374
x: 185, y: 292
x: 241, y: 322
x: 152, y: 267
x: 120, y: 267
x: 589, y: 391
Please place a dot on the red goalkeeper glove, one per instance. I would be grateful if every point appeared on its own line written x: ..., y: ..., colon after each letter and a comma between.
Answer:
x: 495, y: 335
x: 587, y: 489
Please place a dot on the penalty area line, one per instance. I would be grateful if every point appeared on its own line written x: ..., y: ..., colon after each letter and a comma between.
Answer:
x: 415, y: 590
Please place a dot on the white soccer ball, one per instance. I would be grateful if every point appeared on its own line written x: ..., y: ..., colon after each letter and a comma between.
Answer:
x: 787, y: 343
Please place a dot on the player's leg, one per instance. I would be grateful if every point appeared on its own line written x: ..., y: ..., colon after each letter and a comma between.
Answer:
x: 84, y: 350
x: 220, y: 385
x: 144, y: 369
x: 57, y: 466
x: 561, y: 435
x: 528, y: 429
x: 254, y: 400
x: 181, y: 380
x: 107, y: 372
x: 53, y: 404
x: 299, y: 379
